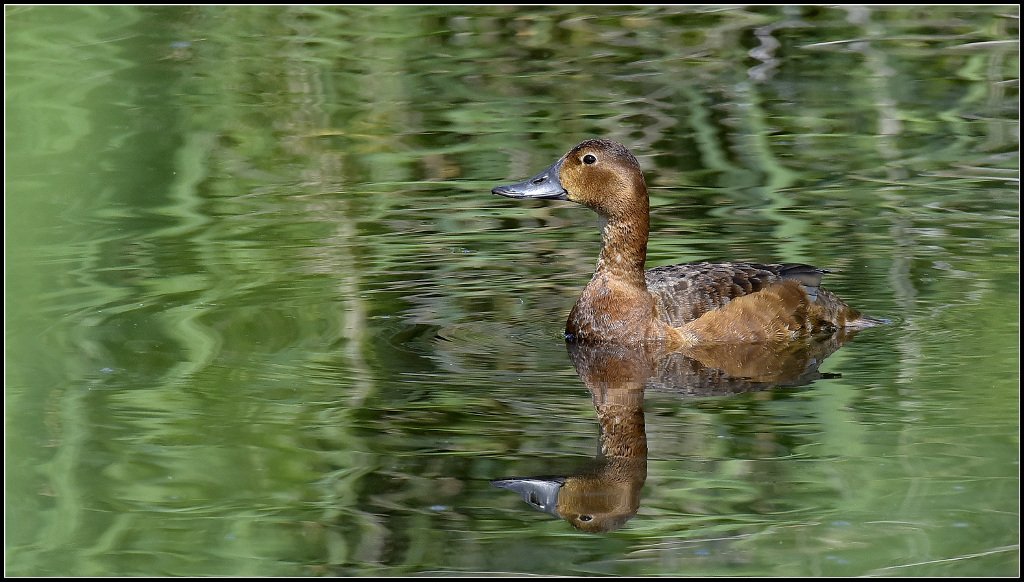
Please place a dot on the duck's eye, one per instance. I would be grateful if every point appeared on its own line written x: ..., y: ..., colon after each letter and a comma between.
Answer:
x: 589, y: 159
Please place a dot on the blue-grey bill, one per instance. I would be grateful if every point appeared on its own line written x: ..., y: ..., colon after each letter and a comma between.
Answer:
x: 538, y: 492
x: 544, y: 186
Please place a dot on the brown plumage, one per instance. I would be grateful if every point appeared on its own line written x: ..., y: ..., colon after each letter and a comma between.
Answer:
x: 687, y: 304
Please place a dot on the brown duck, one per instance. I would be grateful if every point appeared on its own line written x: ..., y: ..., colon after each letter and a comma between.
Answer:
x: 685, y: 305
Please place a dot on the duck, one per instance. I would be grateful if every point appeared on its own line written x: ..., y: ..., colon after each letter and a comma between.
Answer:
x: 602, y: 495
x: 685, y: 305
x: 605, y: 493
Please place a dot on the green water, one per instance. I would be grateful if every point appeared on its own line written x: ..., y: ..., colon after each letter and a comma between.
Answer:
x: 264, y: 317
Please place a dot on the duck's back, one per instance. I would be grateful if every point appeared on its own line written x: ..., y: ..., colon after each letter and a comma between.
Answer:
x: 685, y: 292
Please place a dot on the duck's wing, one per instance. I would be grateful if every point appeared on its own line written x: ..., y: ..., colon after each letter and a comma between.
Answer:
x: 687, y: 291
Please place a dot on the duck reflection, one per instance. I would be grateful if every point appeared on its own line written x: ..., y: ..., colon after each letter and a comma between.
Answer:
x: 605, y: 493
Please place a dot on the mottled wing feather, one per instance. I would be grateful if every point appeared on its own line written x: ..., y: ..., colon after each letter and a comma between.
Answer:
x: 687, y: 291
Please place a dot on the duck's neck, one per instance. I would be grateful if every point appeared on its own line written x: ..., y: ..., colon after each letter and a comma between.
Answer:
x: 615, y: 305
x: 624, y: 247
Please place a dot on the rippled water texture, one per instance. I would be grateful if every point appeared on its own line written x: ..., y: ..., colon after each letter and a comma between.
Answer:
x: 264, y: 316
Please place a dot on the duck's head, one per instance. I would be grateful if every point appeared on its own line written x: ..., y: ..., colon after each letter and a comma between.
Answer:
x: 595, y: 503
x: 598, y: 173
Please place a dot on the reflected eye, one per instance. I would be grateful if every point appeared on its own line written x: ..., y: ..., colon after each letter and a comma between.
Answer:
x: 589, y: 159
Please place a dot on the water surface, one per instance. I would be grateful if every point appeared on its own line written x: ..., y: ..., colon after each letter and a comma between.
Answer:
x: 264, y: 317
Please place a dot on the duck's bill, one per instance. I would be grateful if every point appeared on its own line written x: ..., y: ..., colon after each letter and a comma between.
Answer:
x: 539, y: 492
x: 543, y: 186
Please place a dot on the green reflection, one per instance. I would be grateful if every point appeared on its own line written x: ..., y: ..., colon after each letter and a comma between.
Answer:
x: 263, y: 316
